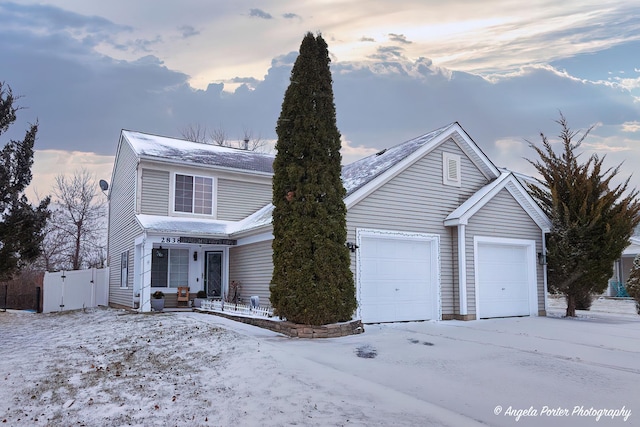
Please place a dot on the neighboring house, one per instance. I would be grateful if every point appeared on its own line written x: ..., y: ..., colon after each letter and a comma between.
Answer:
x: 436, y: 230
x: 622, y: 268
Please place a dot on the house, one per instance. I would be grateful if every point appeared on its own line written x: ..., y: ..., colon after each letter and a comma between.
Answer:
x: 622, y: 268
x: 436, y: 230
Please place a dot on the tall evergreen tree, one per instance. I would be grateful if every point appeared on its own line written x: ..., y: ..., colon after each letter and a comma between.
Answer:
x: 591, y: 220
x: 312, y: 282
x: 21, y: 224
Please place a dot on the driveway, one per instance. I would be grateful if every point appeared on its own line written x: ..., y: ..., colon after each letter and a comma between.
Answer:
x: 499, y: 372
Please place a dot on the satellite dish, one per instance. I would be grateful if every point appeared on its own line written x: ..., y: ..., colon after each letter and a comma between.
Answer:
x: 104, y: 186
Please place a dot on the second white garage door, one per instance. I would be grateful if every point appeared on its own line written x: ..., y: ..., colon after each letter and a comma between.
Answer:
x: 397, y: 276
x: 505, y: 278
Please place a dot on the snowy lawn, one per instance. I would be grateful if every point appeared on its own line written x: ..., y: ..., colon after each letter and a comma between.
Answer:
x: 108, y: 367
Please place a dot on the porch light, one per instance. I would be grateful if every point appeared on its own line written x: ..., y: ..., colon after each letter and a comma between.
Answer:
x: 159, y: 253
x: 542, y: 259
x: 195, y: 255
x: 352, y: 246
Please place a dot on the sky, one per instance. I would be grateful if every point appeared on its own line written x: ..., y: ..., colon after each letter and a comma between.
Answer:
x: 503, y: 69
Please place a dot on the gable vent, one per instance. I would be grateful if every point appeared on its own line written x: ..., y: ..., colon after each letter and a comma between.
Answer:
x: 451, y: 169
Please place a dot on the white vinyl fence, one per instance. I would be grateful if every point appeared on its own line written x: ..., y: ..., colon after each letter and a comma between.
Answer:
x: 72, y: 290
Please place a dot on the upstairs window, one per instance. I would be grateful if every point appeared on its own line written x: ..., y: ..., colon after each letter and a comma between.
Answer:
x: 451, y: 169
x: 194, y: 194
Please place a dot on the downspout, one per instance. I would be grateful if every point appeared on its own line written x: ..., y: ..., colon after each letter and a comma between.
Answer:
x: 462, y: 269
x: 544, y: 268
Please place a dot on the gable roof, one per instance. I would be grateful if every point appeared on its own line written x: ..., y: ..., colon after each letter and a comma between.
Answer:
x: 508, y: 181
x: 355, y: 175
x: 364, y: 176
x: 175, y: 150
x: 360, y: 178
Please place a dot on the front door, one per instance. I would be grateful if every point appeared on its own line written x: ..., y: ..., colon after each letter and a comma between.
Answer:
x: 213, y: 274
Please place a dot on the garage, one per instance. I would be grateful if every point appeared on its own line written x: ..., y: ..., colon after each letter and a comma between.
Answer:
x: 397, y: 276
x: 505, y: 278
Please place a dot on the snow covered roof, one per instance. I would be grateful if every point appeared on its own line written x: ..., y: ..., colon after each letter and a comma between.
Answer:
x: 360, y: 172
x: 179, y: 225
x: 258, y: 219
x: 205, y: 226
x: 634, y: 246
x: 354, y: 176
x: 173, y: 149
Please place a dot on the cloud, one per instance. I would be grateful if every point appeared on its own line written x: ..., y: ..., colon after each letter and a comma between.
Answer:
x: 258, y: 13
x: 188, y: 31
x: 367, y: 39
x: 291, y: 16
x: 386, y: 53
x: 352, y: 153
x: 633, y: 126
x: 400, y: 38
x: 82, y: 98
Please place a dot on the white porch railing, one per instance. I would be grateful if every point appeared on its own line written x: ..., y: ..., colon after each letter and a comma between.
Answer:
x: 243, y: 309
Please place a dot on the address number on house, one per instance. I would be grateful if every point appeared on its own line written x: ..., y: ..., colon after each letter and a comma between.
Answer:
x: 198, y: 240
x: 170, y: 240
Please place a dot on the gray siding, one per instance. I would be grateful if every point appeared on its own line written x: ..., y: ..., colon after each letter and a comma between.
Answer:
x: 502, y: 217
x: 123, y: 227
x: 239, y: 199
x: 252, y: 265
x: 154, y: 193
x: 416, y: 200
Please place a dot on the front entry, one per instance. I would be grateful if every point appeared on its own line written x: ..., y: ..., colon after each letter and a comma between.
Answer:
x: 213, y: 274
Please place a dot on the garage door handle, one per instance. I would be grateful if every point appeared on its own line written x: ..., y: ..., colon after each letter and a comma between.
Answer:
x: 503, y: 289
x: 397, y: 289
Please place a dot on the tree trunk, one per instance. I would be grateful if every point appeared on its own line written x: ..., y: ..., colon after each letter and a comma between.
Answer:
x: 571, y: 305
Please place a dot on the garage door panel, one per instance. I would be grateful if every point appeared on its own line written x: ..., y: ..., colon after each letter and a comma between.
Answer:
x: 504, y: 280
x: 396, y: 279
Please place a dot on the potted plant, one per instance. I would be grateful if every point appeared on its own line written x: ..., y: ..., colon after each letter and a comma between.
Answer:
x: 197, y: 301
x: 157, y: 301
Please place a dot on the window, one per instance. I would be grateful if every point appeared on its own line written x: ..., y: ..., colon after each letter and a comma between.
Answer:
x: 451, y: 169
x: 124, y: 269
x: 169, y: 267
x: 194, y: 194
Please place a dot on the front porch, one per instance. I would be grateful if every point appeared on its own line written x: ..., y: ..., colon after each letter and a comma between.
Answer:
x: 166, y: 263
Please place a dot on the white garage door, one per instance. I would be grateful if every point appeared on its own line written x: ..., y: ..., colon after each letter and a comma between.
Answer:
x: 397, y: 277
x: 506, y: 284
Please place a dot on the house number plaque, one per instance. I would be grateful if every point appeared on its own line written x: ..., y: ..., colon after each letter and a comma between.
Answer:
x: 207, y: 241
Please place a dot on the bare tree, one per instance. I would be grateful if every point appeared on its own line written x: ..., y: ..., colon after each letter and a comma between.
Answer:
x: 76, y: 237
x: 195, y: 133
x: 54, y: 245
x: 252, y: 143
x: 219, y: 136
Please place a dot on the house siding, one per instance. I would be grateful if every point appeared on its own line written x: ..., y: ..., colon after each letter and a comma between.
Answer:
x: 252, y: 266
x: 239, y: 199
x: 416, y: 200
x: 123, y: 227
x: 514, y: 223
x: 154, y: 193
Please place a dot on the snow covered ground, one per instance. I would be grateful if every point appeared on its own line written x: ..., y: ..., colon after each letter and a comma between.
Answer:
x: 107, y: 367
